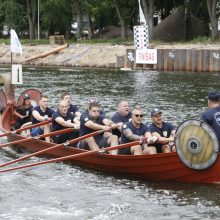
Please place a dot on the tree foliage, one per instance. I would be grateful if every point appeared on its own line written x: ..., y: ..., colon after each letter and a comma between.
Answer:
x: 57, y: 16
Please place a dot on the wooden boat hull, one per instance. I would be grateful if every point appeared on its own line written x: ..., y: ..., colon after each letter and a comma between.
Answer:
x: 157, y: 167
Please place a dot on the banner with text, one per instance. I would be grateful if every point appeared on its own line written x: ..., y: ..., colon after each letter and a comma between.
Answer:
x: 146, y: 56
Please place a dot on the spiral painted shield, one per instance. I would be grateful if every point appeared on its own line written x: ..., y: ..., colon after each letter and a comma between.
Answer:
x: 196, y: 144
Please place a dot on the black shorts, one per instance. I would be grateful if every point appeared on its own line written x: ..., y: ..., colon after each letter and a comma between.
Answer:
x: 59, y: 139
x: 125, y: 151
x: 101, y: 142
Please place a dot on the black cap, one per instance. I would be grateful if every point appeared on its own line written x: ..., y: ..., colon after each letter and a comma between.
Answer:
x: 214, y: 95
x: 155, y: 111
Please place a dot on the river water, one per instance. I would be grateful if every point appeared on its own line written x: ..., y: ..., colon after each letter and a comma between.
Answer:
x: 61, y: 191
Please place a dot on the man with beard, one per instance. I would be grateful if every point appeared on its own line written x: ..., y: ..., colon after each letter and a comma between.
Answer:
x: 212, y: 115
x: 135, y: 130
x: 62, y: 119
x: 164, y: 131
x: 91, y: 120
x: 122, y: 115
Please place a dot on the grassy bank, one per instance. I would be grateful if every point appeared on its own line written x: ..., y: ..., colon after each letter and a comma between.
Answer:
x: 119, y: 41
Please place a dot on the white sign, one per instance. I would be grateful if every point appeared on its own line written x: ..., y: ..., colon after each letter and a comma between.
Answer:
x: 17, y: 74
x: 141, y: 37
x: 146, y: 56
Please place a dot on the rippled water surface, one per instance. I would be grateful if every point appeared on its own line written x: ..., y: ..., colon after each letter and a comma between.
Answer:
x: 60, y: 191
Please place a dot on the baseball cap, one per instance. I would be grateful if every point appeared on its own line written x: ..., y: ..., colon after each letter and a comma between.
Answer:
x: 214, y: 95
x: 155, y: 111
x: 93, y: 100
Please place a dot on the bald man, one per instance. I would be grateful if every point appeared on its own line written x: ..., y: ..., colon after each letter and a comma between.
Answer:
x: 122, y: 115
x: 62, y: 119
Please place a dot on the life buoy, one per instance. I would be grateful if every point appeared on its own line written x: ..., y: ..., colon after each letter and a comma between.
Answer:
x: 196, y: 144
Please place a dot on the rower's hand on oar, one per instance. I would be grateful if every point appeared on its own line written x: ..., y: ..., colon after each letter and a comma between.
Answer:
x: 171, y: 139
x: 114, y: 126
x: 143, y: 140
x: 76, y: 126
x: 46, y: 117
x: 106, y: 128
x: 152, y: 140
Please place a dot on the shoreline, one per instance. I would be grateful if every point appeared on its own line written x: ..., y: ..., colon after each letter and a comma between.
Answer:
x: 171, y: 57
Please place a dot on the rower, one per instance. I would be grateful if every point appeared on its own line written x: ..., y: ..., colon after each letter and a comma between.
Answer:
x: 92, y: 120
x: 122, y: 115
x: 23, y: 112
x: 62, y: 119
x: 212, y: 115
x: 41, y: 113
x: 73, y: 109
x: 135, y: 130
x: 164, y: 131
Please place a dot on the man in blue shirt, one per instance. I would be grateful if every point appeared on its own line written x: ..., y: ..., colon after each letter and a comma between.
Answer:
x: 73, y: 109
x: 62, y: 119
x: 41, y: 113
x: 164, y: 131
x: 135, y: 130
x: 91, y: 120
x: 122, y: 115
x: 212, y: 115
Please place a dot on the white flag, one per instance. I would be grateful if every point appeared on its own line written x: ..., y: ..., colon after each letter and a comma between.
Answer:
x: 141, y: 14
x: 15, y: 43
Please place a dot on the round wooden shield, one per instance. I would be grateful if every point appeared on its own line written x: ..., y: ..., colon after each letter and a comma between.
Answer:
x: 34, y: 95
x: 196, y: 144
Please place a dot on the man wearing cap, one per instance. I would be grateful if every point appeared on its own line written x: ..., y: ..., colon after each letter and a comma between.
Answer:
x: 212, y: 115
x: 135, y: 130
x: 41, y: 113
x: 122, y: 115
x: 93, y: 121
x: 23, y: 112
x: 164, y: 131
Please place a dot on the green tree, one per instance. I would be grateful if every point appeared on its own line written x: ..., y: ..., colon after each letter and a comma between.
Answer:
x: 32, y: 17
x: 126, y: 11
x: 56, y: 16
x: 148, y: 6
x: 213, y: 14
x: 13, y: 15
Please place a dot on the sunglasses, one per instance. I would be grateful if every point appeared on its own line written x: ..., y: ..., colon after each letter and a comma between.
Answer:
x: 141, y: 116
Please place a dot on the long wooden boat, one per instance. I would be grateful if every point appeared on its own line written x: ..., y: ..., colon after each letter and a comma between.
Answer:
x: 157, y: 167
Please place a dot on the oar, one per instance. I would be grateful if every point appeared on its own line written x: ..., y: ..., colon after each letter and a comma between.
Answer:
x: 84, y: 154
x: 26, y: 128
x: 53, y: 147
x: 67, y: 130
